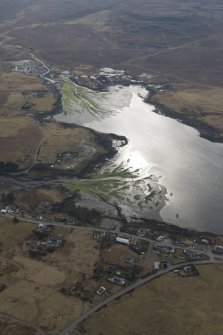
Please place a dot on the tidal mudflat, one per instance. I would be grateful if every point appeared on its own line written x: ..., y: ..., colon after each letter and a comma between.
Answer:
x: 188, y: 167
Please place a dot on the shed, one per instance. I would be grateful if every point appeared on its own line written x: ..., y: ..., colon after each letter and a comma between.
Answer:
x: 156, y: 266
x: 122, y: 240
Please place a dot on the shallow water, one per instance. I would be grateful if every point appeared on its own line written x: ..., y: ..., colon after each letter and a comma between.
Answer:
x: 190, y: 167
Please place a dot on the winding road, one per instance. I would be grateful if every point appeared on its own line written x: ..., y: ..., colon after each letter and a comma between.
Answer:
x: 128, y: 289
x: 72, y: 326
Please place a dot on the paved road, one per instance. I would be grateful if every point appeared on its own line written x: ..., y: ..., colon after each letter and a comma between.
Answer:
x: 58, y: 224
x: 126, y: 290
x: 132, y: 286
x: 164, y: 242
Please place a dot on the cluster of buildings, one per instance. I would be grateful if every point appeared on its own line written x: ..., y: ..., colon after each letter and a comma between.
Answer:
x: 7, y: 210
x: 43, y: 240
x: 123, y: 240
x: 146, y: 232
x: 117, y: 280
x: 139, y: 246
x: 217, y: 249
x: 158, y: 249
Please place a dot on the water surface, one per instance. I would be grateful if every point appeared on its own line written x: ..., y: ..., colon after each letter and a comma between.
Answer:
x: 191, y: 168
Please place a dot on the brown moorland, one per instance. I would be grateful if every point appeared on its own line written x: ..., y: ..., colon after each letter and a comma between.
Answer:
x: 175, y: 41
x: 169, y: 305
x: 200, y: 103
x: 18, y: 89
x: 20, y: 138
x: 36, y: 284
x: 15, y: 327
x: 66, y: 148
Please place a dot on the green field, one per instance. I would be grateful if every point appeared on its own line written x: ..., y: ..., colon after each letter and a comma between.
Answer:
x: 122, y: 187
x: 79, y: 99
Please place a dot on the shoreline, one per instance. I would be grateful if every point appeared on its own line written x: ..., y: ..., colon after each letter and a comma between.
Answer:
x: 206, y: 131
x: 106, y: 141
x: 175, y: 230
x: 159, y: 227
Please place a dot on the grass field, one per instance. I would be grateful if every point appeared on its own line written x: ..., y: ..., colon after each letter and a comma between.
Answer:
x: 15, y: 147
x: 12, y: 234
x: 23, y: 143
x: 32, y: 200
x: 9, y: 326
x: 79, y: 99
x: 175, y: 40
x: 78, y: 256
x: 80, y: 142
x: 35, y: 285
x: 169, y: 305
x: 18, y: 88
x: 203, y: 103
x: 114, y: 255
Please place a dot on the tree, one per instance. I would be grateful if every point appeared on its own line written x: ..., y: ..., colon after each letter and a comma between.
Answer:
x: 15, y: 220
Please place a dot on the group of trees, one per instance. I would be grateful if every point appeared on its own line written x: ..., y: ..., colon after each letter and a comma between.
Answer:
x: 8, y: 198
x: 7, y: 167
x: 70, y: 207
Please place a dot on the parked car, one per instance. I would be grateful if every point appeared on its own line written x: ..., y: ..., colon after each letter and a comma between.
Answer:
x: 101, y: 290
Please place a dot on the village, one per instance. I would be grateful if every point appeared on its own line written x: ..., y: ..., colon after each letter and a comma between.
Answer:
x: 125, y: 256
x: 91, y: 264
